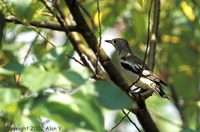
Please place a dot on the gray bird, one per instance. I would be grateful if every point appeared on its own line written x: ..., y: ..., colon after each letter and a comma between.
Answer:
x: 133, y: 65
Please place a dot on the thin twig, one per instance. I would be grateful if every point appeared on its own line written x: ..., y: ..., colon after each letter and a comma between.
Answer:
x: 153, y: 39
x: 147, y: 43
x: 54, y: 45
x: 28, y: 25
x: 126, y: 115
x: 119, y: 122
x: 174, y: 97
x: 100, y: 39
x: 91, y: 58
x: 148, y: 34
x: 141, y: 112
x: 177, y: 104
x: 67, y: 32
x: 26, y: 56
x: 88, y: 14
x: 29, y: 49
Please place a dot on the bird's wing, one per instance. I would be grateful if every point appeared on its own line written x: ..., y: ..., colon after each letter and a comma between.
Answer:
x: 135, y: 68
x: 134, y: 64
x: 153, y: 77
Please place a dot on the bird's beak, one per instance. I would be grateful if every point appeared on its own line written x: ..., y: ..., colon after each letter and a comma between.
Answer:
x: 108, y: 41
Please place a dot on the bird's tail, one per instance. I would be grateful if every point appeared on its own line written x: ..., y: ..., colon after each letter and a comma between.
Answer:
x: 159, y: 90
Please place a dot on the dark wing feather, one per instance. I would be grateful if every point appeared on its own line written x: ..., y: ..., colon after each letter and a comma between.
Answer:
x: 134, y: 64
x: 135, y: 68
x: 161, y: 92
x: 161, y: 81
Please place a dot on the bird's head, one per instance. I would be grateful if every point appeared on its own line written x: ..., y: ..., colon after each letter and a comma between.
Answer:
x: 121, y: 45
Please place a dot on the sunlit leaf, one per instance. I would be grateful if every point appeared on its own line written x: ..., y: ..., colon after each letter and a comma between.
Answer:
x: 141, y: 2
x: 54, y: 59
x: 40, y: 50
x: 69, y: 112
x: 188, y: 11
x: 74, y: 77
x: 36, y: 79
x: 21, y: 7
x: 69, y: 79
x: 9, y: 98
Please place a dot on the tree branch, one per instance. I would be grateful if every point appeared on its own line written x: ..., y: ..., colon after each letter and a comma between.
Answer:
x: 152, y: 42
x: 146, y: 122
x: 83, y: 49
x: 177, y: 104
x: 142, y: 111
x: 154, y: 35
x: 41, y: 24
x: 68, y: 33
x: 93, y: 44
x: 115, y: 76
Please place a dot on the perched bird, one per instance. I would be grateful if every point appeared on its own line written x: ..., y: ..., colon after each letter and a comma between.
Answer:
x: 134, y: 66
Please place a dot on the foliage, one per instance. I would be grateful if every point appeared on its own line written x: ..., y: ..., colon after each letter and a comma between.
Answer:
x: 25, y: 87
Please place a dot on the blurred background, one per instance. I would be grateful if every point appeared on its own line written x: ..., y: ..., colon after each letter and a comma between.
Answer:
x: 38, y: 81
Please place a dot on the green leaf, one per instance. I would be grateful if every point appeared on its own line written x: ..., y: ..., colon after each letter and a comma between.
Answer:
x: 70, y: 79
x: 11, y: 69
x: 139, y: 24
x: 9, y: 97
x: 69, y: 52
x: 111, y: 96
x: 40, y: 50
x: 54, y: 59
x: 70, y: 112
x: 28, y: 123
x: 36, y: 79
x: 21, y: 7
x: 189, y: 130
x: 82, y: 104
x: 74, y: 77
x: 141, y: 2
x: 12, y: 47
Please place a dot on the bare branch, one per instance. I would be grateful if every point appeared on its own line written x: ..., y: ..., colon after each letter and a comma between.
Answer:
x: 154, y: 35
x: 88, y: 14
x: 41, y: 24
x: 126, y: 115
x: 145, y: 119
x: 119, y: 122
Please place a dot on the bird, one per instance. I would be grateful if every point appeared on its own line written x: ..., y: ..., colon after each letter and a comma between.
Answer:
x: 131, y: 64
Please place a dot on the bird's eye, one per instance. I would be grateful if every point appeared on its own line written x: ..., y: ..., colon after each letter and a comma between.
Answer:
x: 114, y: 41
